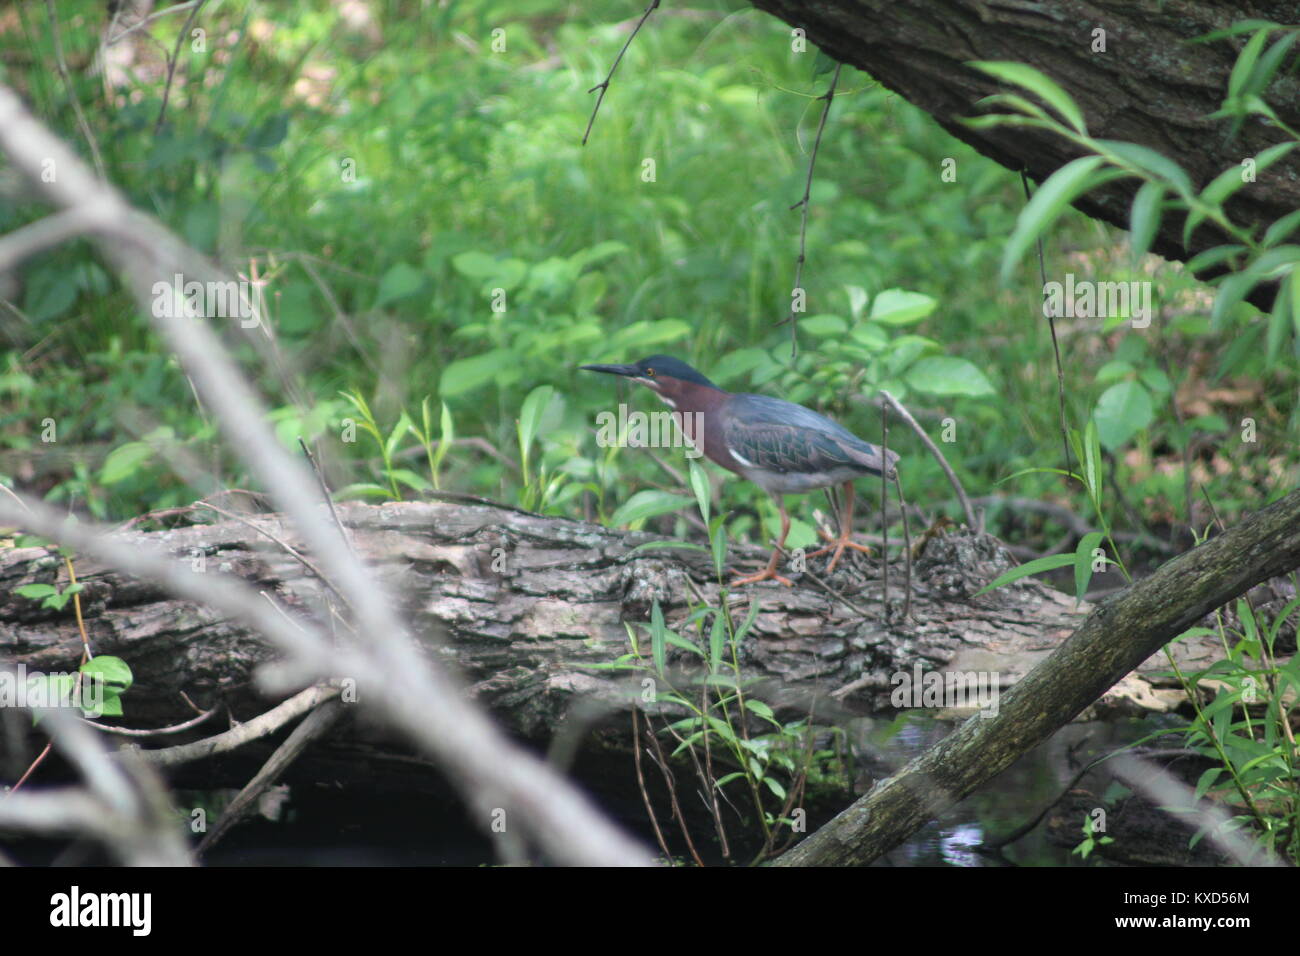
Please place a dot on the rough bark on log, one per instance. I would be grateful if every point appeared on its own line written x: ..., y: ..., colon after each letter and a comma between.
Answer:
x: 1152, y: 86
x: 520, y: 603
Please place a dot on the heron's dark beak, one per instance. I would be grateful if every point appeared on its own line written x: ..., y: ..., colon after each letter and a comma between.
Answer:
x: 627, y: 371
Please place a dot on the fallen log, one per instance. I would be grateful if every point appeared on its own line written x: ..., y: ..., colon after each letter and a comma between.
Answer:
x: 522, y: 605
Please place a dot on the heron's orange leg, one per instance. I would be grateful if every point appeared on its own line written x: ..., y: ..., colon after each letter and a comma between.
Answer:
x: 769, y: 572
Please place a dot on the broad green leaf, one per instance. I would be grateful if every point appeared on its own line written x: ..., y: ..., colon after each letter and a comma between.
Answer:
x: 1281, y: 228
x: 113, y: 671
x: 1214, y: 256
x: 465, y: 375
x: 1122, y: 411
x: 823, y: 325
x: 943, y: 375
x: 717, y: 641
x: 1083, y: 562
x: 648, y: 503
x: 1245, y: 65
x: 658, y: 648
x: 399, y: 282
x: 684, y: 545
x: 530, y: 416
x: 1047, y: 204
x: 1144, y: 218
x: 700, y: 485
x: 399, y: 432
x: 900, y: 307
x: 123, y: 462
x: 1039, y: 84
x: 36, y: 592
x: 1147, y: 160
x: 1037, y: 566
x: 1231, y: 292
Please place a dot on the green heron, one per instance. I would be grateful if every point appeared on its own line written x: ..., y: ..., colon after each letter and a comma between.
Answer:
x: 782, y: 447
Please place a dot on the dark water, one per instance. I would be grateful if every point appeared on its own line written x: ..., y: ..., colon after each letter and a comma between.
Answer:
x: 319, y: 827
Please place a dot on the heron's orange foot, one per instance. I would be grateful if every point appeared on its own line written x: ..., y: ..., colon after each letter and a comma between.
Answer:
x: 767, y: 574
x: 838, y: 545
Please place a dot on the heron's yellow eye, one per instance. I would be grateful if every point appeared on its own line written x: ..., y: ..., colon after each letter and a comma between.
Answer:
x: 650, y: 372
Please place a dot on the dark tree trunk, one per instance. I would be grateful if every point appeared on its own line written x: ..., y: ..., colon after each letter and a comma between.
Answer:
x: 1152, y: 85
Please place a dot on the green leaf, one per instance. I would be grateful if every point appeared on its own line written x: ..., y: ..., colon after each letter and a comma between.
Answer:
x: 399, y: 282
x: 1039, y: 84
x: 1122, y: 411
x: 36, y: 592
x: 1037, y: 566
x: 717, y: 641
x: 399, y: 432
x: 1083, y: 562
x: 530, y: 418
x: 1224, y: 185
x: 465, y: 375
x: 1281, y: 228
x: 475, y: 264
x: 900, y: 307
x: 648, y: 503
x: 718, y: 542
x: 643, y: 334
x: 445, y: 439
x: 1047, y: 204
x: 1152, y: 163
x: 112, y: 677
x: 658, y: 647
x: 1245, y: 65
x: 410, y: 479
x: 943, y: 375
x: 823, y: 325
x: 700, y: 485
x: 1214, y: 256
x: 113, y: 671
x: 749, y: 621
x: 1144, y: 218
x: 123, y: 461
x: 1232, y: 291
x: 684, y: 545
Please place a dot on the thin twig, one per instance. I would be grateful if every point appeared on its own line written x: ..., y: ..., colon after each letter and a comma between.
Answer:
x: 938, y: 456
x: 158, y: 731
x: 884, y: 505
x: 1051, y: 323
x: 288, y: 548
x: 670, y: 780
x: 245, y: 733
x: 804, y: 202
x: 907, y: 550
x: 603, y: 86
x: 113, y: 39
x: 171, y: 63
x: 325, y: 493
x: 314, y: 726
x: 62, y: 64
x: 640, y: 780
